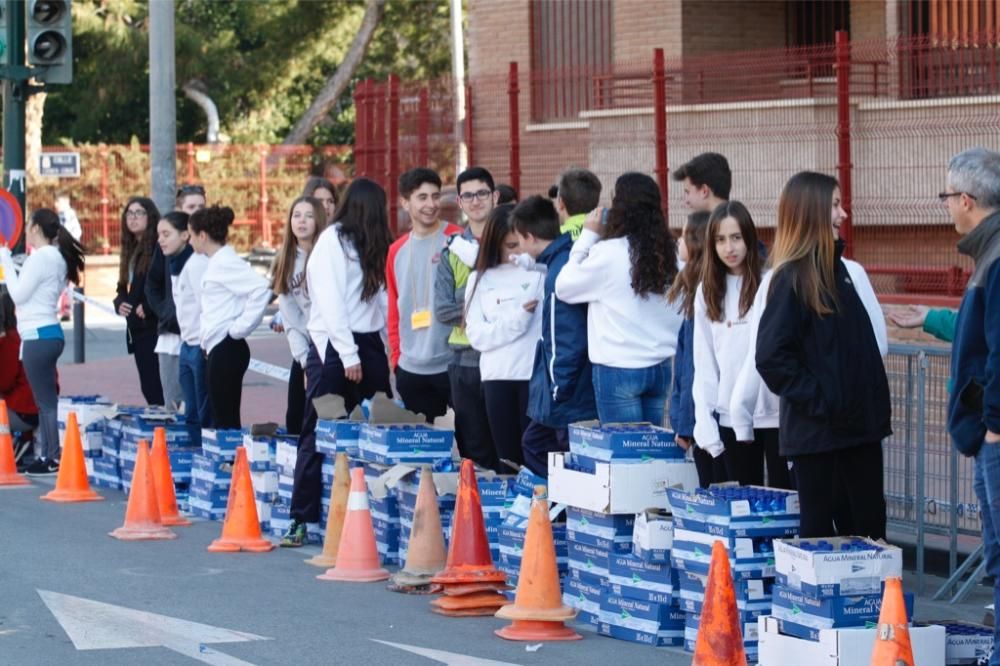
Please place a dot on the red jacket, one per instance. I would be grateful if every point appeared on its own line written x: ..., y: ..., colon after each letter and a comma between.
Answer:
x: 14, y: 388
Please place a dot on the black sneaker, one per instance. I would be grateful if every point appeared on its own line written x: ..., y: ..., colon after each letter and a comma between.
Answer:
x: 43, y: 467
x: 295, y: 537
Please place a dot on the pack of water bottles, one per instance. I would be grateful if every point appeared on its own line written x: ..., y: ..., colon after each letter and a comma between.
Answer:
x: 622, y: 441
x: 392, y: 444
x: 210, y: 482
x: 335, y: 436
x: 641, y: 621
x: 91, y: 412
x: 967, y: 644
x: 221, y: 444
x: 730, y: 510
x: 836, y: 566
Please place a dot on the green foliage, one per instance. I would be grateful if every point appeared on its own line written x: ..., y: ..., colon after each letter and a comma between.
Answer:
x: 262, y: 62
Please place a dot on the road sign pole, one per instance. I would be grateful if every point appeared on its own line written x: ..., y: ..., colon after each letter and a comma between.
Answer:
x: 15, y: 94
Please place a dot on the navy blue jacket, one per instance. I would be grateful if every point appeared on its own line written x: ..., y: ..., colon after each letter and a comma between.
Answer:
x: 974, y: 403
x: 561, y: 390
x: 681, y: 398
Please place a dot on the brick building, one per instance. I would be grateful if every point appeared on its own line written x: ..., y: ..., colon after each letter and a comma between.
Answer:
x: 754, y: 80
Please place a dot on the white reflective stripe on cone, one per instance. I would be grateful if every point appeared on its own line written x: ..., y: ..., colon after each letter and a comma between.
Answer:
x: 357, y: 501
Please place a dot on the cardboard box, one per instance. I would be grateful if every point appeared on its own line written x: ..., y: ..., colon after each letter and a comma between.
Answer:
x: 836, y: 573
x: 841, y: 647
x: 633, y: 578
x: 617, y: 488
x: 221, y: 444
x: 604, y: 525
x: 709, y: 512
x: 260, y: 452
x: 617, y: 441
x: 653, y: 536
x: 829, y: 612
x: 641, y: 621
x: 966, y: 643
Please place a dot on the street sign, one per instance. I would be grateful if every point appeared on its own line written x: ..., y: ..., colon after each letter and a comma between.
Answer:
x: 62, y: 165
x: 11, y: 219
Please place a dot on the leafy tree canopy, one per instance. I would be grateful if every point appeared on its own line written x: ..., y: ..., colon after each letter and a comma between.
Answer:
x: 262, y: 62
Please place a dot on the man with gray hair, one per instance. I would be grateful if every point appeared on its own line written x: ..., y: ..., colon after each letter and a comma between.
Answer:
x: 972, y: 195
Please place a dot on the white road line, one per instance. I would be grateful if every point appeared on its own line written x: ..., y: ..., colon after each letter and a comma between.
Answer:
x: 449, y: 658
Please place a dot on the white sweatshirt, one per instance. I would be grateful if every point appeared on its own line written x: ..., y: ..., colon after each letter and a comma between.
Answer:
x: 294, y: 308
x: 752, y: 402
x: 187, y: 299
x: 624, y: 330
x: 498, y: 326
x: 337, y: 311
x: 233, y: 298
x: 720, y: 349
x: 36, y: 289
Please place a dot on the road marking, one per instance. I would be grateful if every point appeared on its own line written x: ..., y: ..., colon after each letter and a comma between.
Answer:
x: 93, y: 625
x: 449, y: 658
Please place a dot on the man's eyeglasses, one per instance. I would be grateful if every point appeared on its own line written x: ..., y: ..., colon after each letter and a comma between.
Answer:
x: 190, y: 189
x: 944, y: 196
x: 482, y: 195
x: 136, y: 213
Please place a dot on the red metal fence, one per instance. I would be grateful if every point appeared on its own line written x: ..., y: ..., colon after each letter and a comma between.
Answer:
x: 884, y: 116
x: 257, y: 181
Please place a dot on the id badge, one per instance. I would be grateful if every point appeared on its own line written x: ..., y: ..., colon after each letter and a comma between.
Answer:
x: 420, y: 319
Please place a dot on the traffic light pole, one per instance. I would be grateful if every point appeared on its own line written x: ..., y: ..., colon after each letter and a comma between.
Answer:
x: 15, y: 95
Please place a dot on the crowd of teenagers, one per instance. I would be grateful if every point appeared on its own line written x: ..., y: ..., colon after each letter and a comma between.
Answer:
x: 534, y: 315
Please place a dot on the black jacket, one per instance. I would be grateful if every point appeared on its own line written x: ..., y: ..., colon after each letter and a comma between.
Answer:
x: 827, y: 371
x: 159, y: 290
x: 135, y: 294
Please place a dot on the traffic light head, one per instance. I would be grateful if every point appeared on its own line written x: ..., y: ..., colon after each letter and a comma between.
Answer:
x: 50, y: 39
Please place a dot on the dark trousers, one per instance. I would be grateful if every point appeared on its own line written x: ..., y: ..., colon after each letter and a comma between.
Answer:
x: 538, y: 441
x: 710, y: 470
x: 745, y: 461
x: 227, y: 363
x: 841, y: 492
x: 148, y: 365
x: 778, y: 475
x: 472, y: 426
x: 506, y: 408
x: 296, y: 399
x: 324, y: 377
x: 429, y: 395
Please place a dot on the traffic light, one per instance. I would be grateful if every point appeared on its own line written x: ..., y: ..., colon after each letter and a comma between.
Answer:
x: 50, y: 39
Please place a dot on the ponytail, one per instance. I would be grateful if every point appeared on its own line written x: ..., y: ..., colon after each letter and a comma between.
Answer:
x: 72, y: 252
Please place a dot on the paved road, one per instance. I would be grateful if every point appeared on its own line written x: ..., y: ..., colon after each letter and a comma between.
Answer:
x: 65, y: 549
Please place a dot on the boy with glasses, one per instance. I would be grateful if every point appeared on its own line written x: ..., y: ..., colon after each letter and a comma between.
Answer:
x: 477, y: 196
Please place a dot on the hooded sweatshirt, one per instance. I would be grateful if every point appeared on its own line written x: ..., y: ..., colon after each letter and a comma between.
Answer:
x: 233, y: 298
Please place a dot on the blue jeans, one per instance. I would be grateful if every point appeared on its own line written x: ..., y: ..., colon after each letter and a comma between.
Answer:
x: 987, y: 486
x: 197, y: 408
x: 629, y: 395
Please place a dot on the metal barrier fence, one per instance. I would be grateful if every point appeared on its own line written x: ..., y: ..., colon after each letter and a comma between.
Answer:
x: 928, y: 484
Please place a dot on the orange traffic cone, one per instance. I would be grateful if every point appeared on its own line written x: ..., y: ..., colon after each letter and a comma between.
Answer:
x: 357, y: 559
x: 426, y: 554
x: 163, y: 481
x: 538, y: 612
x: 142, y: 515
x: 338, y: 511
x: 72, y: 484
x: 720, y: 642
x: 241, y: 529
x: 8, y: 466
x: 892, y: 637
x: 469, y: 572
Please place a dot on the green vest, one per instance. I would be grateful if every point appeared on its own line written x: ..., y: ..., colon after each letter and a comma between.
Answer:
x: 573, y: 226
x: 461, y: 273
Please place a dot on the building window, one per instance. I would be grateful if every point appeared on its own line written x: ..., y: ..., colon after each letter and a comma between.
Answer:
x: 816, y: 22
x: 570, y: 46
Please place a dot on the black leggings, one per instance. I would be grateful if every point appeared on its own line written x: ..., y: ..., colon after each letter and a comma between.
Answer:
x: 710, y: 470
x: 227, y: 363
x: 841, y: 492
x: 148, y: 365
x: 506, y: 409
x: 745, y: 460
x: 296, y: 399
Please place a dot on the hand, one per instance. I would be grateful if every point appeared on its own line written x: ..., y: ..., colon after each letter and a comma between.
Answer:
x: 277, y: 326
x: 531, y: 305
x: 911, y: 316
x: 139, y: 312
x: 992, y: 437
x: 683, y: 442
x: 353, y: 373
x: 125, y: 309
x: 593, y: 221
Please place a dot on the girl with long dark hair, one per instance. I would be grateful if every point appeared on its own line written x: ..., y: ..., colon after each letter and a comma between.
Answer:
x: 345, y: 278
x: 138, y: 243
x: 730, y: 276
x: 323, y: 191
x: 691, y: 251
x: 233, y: 299
x: 504, y: 323
x: 35, y: 290
x: 624, y: 269
x: 818, y: 349
x: 306, y: 221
